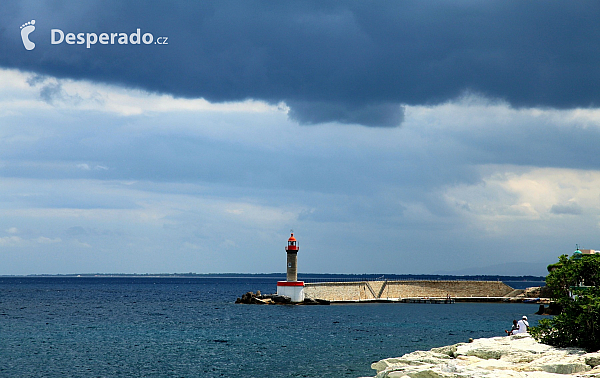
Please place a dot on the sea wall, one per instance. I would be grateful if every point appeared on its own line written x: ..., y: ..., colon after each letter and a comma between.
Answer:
x: 398, y: 290
x: 518, y: 356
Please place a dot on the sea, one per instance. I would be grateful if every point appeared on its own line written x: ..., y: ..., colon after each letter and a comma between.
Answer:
x: 191, y: 327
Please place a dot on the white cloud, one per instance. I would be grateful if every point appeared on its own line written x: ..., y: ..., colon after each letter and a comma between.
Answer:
x: 10, y: 241
x: 45, y: 240
x: 87, y: 167
x: 78, y: 244
x: 472, y: 112
x: 20, y: 91
x: 515, y: 194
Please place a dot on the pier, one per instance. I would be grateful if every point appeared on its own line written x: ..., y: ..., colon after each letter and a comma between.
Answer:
x: 417, y: 291
x: 413, y: 291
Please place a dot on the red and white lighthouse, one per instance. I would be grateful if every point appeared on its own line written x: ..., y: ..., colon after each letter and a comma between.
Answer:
x: 292, y: 287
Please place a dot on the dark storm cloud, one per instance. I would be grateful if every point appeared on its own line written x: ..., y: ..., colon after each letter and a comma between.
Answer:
x: 385, y: 115
x: 350, y: 62
x: 571, y: 208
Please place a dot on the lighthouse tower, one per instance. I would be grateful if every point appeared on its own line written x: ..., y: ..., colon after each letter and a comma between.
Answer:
x: 292, y: 287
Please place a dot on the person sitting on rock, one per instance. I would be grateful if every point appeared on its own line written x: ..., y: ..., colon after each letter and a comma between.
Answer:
x: 514, y: 328
x: 523, y: 324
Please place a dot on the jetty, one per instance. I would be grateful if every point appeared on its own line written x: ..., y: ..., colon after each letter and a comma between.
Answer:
x: 415, y: 291
x: 405, y: 291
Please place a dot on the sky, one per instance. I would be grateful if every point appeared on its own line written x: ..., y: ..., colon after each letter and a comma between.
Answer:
x: 408, y: 137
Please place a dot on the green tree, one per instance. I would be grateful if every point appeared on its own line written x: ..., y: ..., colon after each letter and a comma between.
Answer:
x: 574, y: 283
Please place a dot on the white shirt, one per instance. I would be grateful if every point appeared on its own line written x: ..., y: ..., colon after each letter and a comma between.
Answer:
x: 522, y: 324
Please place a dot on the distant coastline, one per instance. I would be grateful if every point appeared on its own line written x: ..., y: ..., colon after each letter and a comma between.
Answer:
x: 306, y: 277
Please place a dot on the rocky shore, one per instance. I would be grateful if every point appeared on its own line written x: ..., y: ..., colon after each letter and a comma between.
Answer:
x: 274, y: 299
x: 517, y: 356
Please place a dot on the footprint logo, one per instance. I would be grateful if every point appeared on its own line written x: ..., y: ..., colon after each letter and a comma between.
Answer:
x: 26, y: 29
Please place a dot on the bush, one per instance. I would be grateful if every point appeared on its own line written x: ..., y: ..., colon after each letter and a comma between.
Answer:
x: 574, y: 283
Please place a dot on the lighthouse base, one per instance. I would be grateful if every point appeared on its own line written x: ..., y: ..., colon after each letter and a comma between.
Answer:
x: 292, y: 289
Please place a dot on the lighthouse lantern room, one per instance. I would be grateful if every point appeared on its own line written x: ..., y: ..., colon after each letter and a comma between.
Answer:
x: 292, y: 287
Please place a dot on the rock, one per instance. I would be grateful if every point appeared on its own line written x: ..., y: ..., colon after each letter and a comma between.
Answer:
x: 251, y: 298
x: 593, y: 359
x: 497, y: 347
x: 552, y: 309
x: 541, y: 310
x: 269, y: 299
x: 448, y: 350
x: 246, y: 298
x: 281, y: 299
x: 560, y: 361
x: 595, y: 372
x: 417, y: 358
x: 532, y: 292
x: 384, y: 364
x: 310, y: 301
x: 509, y: 356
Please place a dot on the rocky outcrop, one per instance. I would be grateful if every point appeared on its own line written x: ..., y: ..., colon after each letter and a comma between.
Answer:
x: 552, y: 309
x: 535, y: 292
x: 252, y: 298
x: 517, y: 356
x: 269, y: 299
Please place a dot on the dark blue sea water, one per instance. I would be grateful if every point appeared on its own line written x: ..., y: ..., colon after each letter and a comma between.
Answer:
x: 190, y: 327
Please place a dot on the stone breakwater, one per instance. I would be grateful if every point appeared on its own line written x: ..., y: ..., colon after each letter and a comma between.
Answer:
x: 274, y: 299
x: 518, y: 356
x: 398, y: 290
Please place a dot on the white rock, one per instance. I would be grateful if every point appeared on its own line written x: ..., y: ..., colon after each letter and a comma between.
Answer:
x: 560, y: 362
x: 497, y: 347
x: 450, y: 350
x: 518, y: 356
x: 415, y: 358
x: 595, y: 372
x: 593, y: 359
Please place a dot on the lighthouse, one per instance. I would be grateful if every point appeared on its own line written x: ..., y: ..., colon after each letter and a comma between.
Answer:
x: 291, y: 287
x: 292, y: 258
